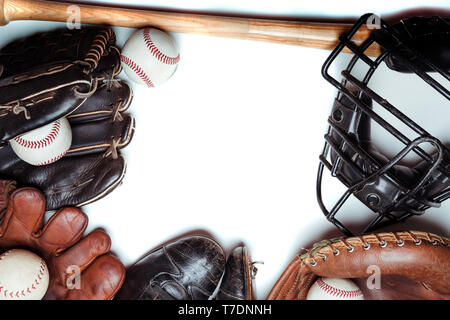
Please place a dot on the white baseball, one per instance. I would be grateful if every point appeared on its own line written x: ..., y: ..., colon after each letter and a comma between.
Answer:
x: 334, y: 289
x: 23, y: 276
x: 44, y: 145
x: 150, y: 57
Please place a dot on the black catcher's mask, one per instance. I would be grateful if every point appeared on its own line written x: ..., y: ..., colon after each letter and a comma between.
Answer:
x: 392, y: 190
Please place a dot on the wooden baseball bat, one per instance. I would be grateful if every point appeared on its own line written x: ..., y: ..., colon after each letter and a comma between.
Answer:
x: 307, y: 34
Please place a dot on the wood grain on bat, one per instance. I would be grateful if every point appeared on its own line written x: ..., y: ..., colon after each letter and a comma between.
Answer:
x: 307, y: 34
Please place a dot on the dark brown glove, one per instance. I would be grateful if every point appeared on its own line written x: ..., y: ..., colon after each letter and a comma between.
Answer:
x: 59, y: 242
x: 94, y: 166
x: 237, y: 281
x: 412, y: 265
x: 48, y: 75
x: 186, y: 269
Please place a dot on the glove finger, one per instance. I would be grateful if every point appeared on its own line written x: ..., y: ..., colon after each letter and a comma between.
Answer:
x: 42, y: 95
x: 83, y: 253
x: 109, y: 64
x: 91, y: 178
x: 6, y: 188
x: 23, y: 218
x: 112, y: 96
x: 56, y: 45
x: 61, y: 73
x: 99, y: 275
x: 64, y: 229
x: 101, y: 280
x: 104, y: 136
x: 70, y: 181
x: 294, y: 276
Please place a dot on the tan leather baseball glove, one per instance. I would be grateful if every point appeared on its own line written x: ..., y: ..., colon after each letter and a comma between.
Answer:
x: 410, y: 265
x: 59, y: 242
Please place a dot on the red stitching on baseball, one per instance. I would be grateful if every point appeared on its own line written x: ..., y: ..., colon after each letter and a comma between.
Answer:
x: 44, y: 141
x: 352, y: 294
x: 17, y: 293
x: 139, y: 71
x: 155, y: 51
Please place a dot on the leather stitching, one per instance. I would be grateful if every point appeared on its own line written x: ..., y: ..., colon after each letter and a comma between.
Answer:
x: 322, y: 248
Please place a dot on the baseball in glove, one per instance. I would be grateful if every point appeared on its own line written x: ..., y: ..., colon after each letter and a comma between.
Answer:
x: 59, y: 242
x: 385, y: 266
x: 72, y: 74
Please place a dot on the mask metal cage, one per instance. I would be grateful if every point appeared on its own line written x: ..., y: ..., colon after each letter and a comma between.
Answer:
x: 372, y: 181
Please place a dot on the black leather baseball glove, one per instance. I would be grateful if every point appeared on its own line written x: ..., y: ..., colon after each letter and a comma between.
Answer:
x: 189, y: 268
x: 237, y: 281
x: 72, y: 74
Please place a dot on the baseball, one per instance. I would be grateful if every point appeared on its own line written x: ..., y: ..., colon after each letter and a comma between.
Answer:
x: 150, y: 57
x: 334, y: 289
x: 44, y: 145
x: 23, y: 276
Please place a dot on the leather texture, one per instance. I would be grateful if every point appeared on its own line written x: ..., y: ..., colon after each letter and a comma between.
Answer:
x: 237, y: 281
x: 429, y: 36
x: 357, y: 162
x: 186, y: 269
x: 89, y: 44
x: 94, y: 166
x: 412, y: 265
x: 47, y: 76
x: 358, y: 125
x: 61, y: 244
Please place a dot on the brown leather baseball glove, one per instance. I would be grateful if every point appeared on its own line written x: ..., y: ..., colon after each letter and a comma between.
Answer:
x: 410, y: 265
x: 59, y: 242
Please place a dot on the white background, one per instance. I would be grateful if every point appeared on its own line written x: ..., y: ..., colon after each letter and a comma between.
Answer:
x: 229, y: 145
